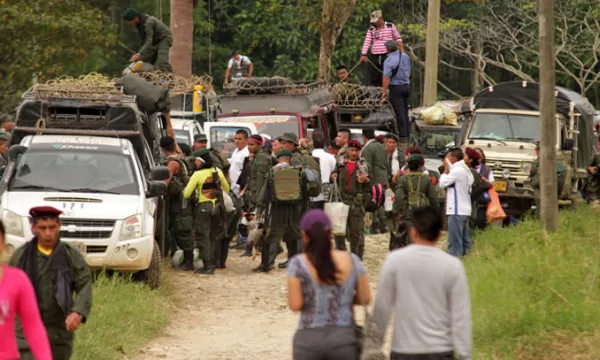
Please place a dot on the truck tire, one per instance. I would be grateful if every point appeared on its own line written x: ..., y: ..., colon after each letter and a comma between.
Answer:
x: 152, y: 275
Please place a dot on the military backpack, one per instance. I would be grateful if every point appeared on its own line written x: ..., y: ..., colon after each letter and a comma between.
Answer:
x: 180, y: 180
x: 287, y: 183
x: 416, y: 198
x: 313, y: 175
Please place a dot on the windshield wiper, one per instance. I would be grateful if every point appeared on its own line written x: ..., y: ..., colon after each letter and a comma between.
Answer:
x: 38, y: 187
x: 487, y: 138
x: 90, y: 190
x: 520, y: 138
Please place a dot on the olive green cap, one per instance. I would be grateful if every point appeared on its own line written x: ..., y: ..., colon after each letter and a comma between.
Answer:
x: 415, y: 158
x: 130, y: 14
x: 284, y: 152
x: 289, y: 137
x: 4, y: 136
x: 200, y: 152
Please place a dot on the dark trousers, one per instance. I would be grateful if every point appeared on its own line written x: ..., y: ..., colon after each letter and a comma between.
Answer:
x: 375, y: 73
x: 399, y: 97
x: 328, y: 343
x: 437, y: 356
x: 317, y: 205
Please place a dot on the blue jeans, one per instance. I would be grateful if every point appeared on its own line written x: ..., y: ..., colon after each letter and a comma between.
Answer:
x: 459, y: 238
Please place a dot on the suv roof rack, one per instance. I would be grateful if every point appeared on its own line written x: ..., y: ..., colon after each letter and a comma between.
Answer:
x: 88, y: 88
x: 272, y: 85
x: 177, y: 85
x: 357, y: 97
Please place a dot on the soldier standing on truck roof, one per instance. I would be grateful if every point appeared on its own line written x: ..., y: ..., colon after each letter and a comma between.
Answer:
x: 156, y: 40
x: 56, y: 271
x: 239, y: 67
x: 180, y: 222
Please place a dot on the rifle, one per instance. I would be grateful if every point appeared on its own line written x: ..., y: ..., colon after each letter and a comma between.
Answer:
x: 219, y: 193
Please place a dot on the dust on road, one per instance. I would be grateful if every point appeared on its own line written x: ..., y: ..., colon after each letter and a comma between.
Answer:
x: 237, y: 314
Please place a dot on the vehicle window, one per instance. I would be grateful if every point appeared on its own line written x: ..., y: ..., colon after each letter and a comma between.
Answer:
x: 195, y: 130
x: 66, y: 170
x: 358, y: 137
x: 221, y: 138
x: 182, y: 136
x: 505, y: 127
x: 272, y: 125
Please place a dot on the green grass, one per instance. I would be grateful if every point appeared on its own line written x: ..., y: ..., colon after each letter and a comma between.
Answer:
x: 537, y: 296
x: 125, y: 315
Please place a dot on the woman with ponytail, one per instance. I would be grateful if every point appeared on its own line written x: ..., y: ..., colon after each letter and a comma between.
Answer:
x: 323, y: 285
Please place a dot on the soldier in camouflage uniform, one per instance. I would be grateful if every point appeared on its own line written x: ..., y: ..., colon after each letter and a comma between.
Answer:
x: 180, y: 221
x: 156, y: 39
x: 352, y: 177
x: 593, y: 181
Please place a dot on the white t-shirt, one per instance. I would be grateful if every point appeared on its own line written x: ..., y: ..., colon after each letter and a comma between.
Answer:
x: 327, y: 165
x: 236, y: 72
x: 235, y: 169
x: 458, y: 183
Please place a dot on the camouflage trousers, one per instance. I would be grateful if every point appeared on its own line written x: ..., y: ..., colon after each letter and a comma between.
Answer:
x: 354, y: 231
x: 209, y: 229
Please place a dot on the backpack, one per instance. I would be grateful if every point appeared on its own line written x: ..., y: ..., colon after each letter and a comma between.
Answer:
x: 312, y: 169
x: 416, y: 198
x: 179, y: 181
x: 287, y: 183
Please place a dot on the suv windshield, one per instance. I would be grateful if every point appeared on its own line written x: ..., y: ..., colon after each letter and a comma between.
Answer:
x: 72, y: 171
x: 505, y: 127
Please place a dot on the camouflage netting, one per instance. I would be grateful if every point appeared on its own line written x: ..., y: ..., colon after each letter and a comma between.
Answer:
x: 353, y: 96
x: 272, y: 85
x: 90, y: 86
x: 176, y: 84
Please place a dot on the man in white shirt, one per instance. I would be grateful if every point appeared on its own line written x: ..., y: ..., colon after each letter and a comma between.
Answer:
x: 457, y: 179
x: 327, y: 164
x: 239, y: 67
x: 237, y: 159
x: 427, y: 292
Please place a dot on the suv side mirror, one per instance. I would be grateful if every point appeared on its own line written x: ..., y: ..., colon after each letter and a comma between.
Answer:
x: 156, y: 188
x: 160, y: 173
x: 15, y: 151
x: 568, y: 144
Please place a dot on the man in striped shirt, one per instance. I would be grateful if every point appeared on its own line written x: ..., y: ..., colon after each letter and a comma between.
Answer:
x: 374, y: 46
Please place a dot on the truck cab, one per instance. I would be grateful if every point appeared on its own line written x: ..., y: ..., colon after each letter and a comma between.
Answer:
x: 505, y: 124
x: 274, y: 109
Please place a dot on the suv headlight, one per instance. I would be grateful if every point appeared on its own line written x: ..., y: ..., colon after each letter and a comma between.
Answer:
x: 13, y: 223
x: 526, y: 167
x: 132, y: 227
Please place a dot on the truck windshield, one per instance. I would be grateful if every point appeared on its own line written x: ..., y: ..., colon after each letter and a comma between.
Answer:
x: 182, y: 136
x: 505, y: 127
x: 74, y: 171
x: 272, y: 125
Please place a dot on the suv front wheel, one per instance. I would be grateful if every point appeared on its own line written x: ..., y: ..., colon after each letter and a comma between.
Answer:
x: 151, y: 276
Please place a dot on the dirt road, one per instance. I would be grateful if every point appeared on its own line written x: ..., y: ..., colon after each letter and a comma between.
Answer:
x: 237, y: 314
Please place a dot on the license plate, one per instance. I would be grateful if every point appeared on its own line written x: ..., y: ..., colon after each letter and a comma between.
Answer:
x: 80, y: 246
x: 500, y: 186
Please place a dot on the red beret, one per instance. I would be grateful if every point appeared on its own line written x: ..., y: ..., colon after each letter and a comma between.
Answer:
x: 472, y: 153
x: 413, y: 150
x: 354, y: 144
x: 40, y: 211
x: 380, y: 138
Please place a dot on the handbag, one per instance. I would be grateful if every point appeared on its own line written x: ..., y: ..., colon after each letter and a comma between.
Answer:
x: 369, y: 337
x: 337, y: 212
x: 494, y: 211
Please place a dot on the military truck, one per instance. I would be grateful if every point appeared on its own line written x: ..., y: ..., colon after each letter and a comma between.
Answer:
x: 505, y: 123
x: 274, y: 106
x: 91, y: 153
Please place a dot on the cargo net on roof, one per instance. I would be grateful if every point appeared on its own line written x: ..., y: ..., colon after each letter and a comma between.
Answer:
x: 353, y: 96
x: 271, y: 85
x: 176, y: 84
x: 93, y: 87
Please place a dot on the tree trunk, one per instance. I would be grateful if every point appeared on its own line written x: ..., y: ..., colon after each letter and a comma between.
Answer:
x: 182, y: 27
x: 432, y: 51
x: 334, y: 16
x: 548, y: 180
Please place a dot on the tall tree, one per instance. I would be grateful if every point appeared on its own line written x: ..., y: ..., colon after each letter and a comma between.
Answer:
x: 182, y: 27
x: 334, y: 16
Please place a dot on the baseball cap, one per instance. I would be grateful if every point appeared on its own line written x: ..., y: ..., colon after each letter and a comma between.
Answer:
x: 375, y: 15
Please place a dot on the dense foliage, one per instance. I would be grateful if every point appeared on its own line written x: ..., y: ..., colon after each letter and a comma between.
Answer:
x: 482, y: 42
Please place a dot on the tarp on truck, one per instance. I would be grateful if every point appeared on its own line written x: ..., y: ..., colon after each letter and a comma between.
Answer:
x: 522, y: 95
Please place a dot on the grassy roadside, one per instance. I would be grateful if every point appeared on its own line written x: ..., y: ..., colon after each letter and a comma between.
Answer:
x: 536, y: 296
x: 125, y: 315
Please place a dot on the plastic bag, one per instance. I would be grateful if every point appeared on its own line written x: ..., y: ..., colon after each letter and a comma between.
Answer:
x: 228, y: 202
x: 388, y: 205
x: 337, y: 212
x: 433, y: 115
x: 494, y: 208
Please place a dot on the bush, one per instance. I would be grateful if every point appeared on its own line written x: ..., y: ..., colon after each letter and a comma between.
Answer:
x: 125, y: 315
x: 535, y: 295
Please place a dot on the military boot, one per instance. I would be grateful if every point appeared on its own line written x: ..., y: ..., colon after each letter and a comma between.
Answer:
x: 361, y: 251
x: 188, y: 261
x: 207, y: 269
